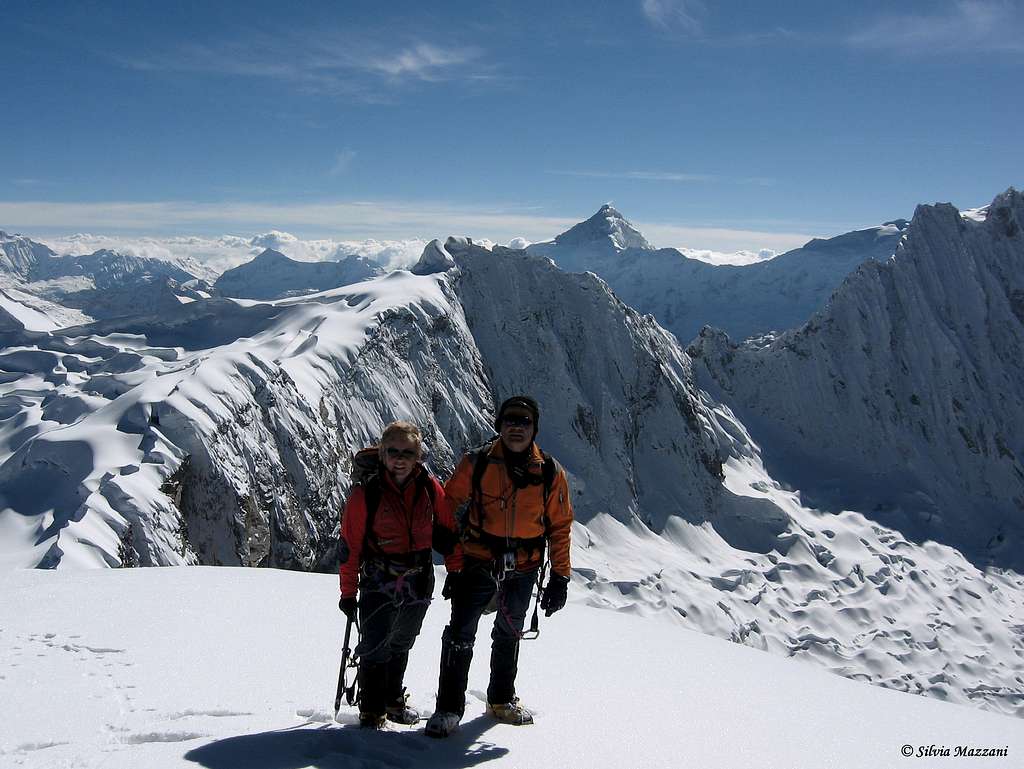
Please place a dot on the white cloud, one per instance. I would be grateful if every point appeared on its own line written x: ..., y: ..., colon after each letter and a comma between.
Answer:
x: 736, y: 258
x: 675, y: 15
x: 646, y: 176
x: 963, y: 25
x: 719, y: 244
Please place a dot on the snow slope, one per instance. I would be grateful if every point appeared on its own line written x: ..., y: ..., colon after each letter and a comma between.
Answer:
x: 220, y: 434
x: 685, y: 294
x: 218, y: 668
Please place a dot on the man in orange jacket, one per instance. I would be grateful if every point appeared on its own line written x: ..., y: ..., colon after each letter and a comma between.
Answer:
x: 518, y: 502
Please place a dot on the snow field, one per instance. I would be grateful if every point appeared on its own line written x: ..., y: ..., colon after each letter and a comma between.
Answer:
x: 217, y: 667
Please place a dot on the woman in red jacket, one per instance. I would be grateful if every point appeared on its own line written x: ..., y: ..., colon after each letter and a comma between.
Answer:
x: 390, y: 523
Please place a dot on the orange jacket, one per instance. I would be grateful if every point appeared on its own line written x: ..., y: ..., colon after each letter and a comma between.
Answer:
x: 403, y: 524
x: 508, y: 511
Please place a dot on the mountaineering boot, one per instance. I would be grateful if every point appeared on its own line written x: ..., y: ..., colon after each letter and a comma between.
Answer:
x: 442, y: 723
x: 371, y: 721
x: 510, y: 712
x: 400, y: 712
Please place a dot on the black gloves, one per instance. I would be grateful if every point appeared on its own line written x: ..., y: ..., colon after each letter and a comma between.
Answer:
x: 348, y: 606
x: 554, y: 594
x: 451, y: 584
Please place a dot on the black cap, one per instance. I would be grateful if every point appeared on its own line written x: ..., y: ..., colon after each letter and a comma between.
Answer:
x: 523, y: 402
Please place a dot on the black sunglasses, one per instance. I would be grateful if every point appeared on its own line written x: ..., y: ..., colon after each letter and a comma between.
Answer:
x: 517, y: 421
x: 393, y: 453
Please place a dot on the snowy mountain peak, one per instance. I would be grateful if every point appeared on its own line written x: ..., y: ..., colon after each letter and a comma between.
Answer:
x: 270, y: 256
x: 272, y: 275
x: 435, y: 258
x: 20, y: 255
x: 1008, y: 208
x: 604, y: 226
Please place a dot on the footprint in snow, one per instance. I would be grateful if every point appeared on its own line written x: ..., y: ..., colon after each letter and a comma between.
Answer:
x: 31, y: 747
x: 148, y: 737
x: 317, y: 716
x: 212, y: 713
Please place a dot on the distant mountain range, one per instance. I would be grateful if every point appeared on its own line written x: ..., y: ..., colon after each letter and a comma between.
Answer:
x: 685, y: 294
x: 62, y: 290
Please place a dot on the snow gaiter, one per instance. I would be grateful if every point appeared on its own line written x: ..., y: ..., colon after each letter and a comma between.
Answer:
x: 394, y: 675
x: 504, y: 666
x: 451, y: 687
x: 372, y: 680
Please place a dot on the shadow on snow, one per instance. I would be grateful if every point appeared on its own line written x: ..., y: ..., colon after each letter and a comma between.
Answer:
x: 330, y: 747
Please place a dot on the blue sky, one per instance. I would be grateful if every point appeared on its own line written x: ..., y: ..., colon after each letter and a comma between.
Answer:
x: 711, y: 124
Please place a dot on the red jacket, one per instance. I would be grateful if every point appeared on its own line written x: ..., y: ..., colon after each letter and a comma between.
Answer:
x: 404, y: 523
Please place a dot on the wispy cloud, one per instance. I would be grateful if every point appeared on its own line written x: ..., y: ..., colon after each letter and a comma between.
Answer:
x: 647, y: 176
x: 716, y: 240
x: 342, y: 162
x: 325, y: 62
x: 663, y: 176
x: 347, y: 219
x: 422, y: 61
x: 962, y: 25
x: 678, y: 16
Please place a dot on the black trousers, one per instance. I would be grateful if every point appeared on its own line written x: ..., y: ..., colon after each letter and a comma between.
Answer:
x: 392, y: 604
x: 475, y: 590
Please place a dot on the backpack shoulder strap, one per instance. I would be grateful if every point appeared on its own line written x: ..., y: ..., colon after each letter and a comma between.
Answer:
x: 480, y: 462
x: 372, y: 492
x: 548, y: 472
x: 481, y: 458
x: 425, y: 484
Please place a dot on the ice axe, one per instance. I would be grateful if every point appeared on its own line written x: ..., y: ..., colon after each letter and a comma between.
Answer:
x: 348, y: 660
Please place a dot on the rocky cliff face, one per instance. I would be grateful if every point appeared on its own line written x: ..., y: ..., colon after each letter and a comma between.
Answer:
x: 620, y: 409
x: 905, y: 396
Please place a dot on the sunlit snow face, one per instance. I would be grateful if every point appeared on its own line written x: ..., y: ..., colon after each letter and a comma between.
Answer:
x: 517, y: 429
x: 400, y: 456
